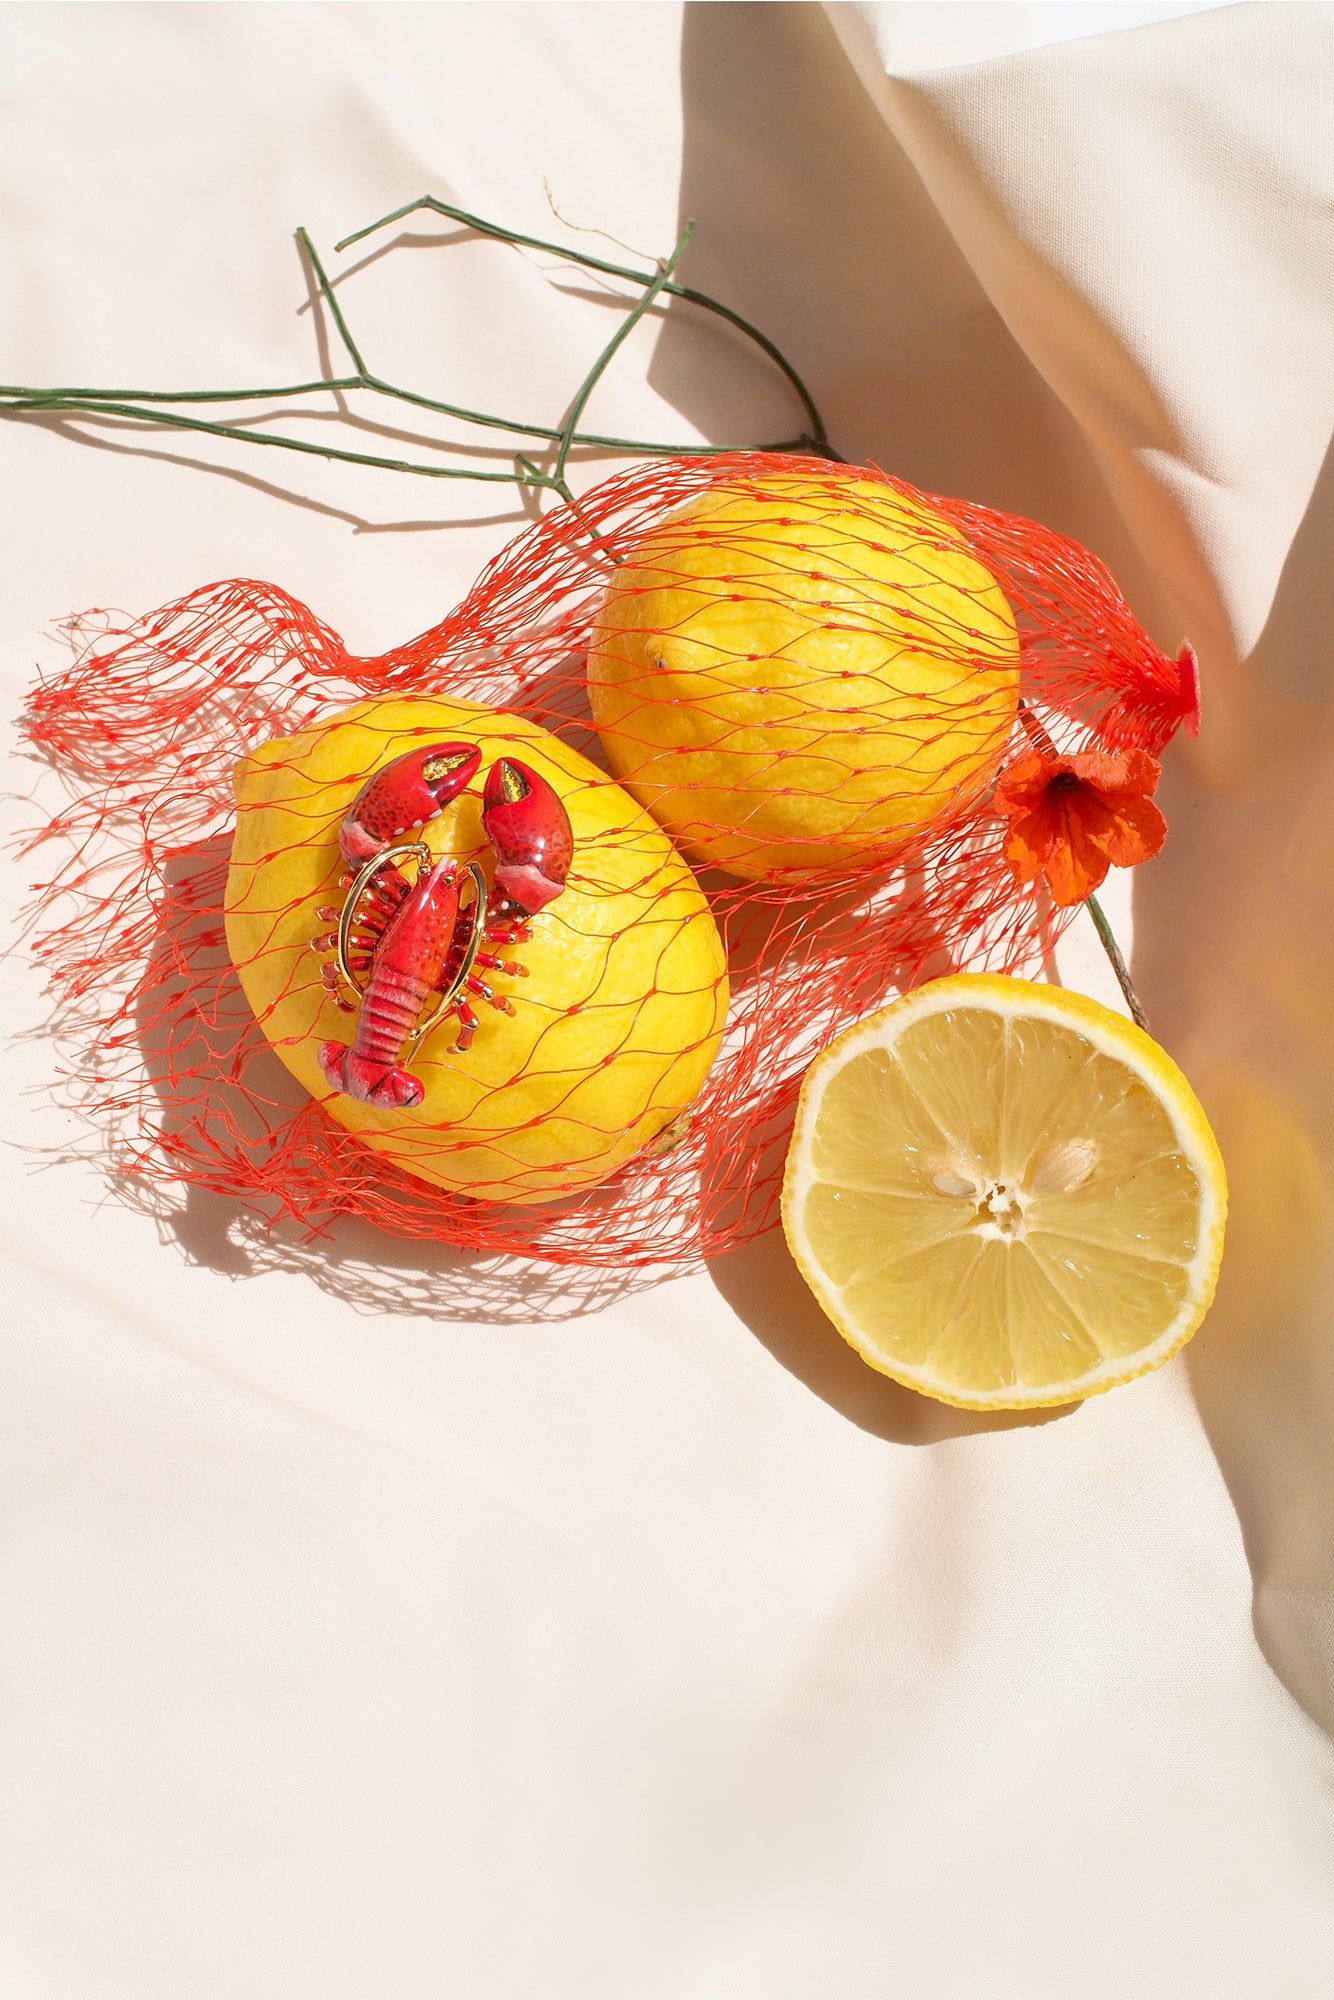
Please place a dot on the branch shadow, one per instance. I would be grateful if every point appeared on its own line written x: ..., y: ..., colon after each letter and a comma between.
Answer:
x: 78, y: 431
x: 446, y: 237
x: 602, y: 286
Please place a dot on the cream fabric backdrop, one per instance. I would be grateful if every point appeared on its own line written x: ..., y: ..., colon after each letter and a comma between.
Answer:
x: 380, y: 1623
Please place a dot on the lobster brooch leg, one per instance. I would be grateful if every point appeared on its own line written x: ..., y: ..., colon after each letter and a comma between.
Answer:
x: 413, y: 954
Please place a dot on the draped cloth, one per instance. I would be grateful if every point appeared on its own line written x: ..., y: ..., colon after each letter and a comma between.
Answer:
x: 383, y: 1621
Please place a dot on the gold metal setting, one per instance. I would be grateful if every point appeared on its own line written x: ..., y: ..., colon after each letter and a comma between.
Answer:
x: 470, y: 875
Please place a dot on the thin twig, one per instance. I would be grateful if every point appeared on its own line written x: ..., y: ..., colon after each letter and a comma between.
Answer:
x: 327, y: 294
x: 18, y: 401
x: 820, y: 436
x: 599, y: 368
x: 36, y: 397
x: 1119, y: 966
x: 147, y: 405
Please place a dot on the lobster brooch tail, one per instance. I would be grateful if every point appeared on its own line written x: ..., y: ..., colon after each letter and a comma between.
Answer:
x: 406, y: 955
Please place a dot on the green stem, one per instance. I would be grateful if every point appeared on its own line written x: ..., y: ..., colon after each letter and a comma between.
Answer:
x: 36, y: 396
x: 327, y: 294
x: 147, y: 405
x: 549, y: 431
x: 17, y: 401
x: 819, y: 436
x: 595, y: 373
x: 1107, y: 937
x: 16, y: 398
x: 1119, y: 966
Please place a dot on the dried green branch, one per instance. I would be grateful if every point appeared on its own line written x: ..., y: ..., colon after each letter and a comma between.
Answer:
x: 603, y: 361
x: 104, y: 407
x: 1118, y: 963
x: 818, y: 438
x: 152, y: 406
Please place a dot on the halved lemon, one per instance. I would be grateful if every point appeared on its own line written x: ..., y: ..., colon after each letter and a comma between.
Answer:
x: 1004, y: 1195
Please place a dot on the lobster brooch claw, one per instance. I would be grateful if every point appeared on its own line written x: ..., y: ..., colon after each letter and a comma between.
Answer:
x: 529, y: 832
x: 403, y: 796
x: 406, y: 955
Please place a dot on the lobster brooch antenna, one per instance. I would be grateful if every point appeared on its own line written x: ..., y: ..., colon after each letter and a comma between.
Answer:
x: 411, y: 953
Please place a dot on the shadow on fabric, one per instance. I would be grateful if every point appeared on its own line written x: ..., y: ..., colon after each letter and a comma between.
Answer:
x: 767, y: 1292
x: 1234, y: 934
x: 812, y: 222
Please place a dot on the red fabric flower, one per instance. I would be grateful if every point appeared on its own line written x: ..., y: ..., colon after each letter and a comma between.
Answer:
x: 1071, y: 818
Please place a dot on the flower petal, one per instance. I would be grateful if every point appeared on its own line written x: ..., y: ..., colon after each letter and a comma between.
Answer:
x: 1116, y: 774
x: 1076, y: 863
x: 1028, y: 843
x: 1136, y: 833
x: 1072, y: 818
x: 1022, y: 787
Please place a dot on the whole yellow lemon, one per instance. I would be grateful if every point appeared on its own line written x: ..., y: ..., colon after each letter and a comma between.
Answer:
x: 799, y: 672
x: 615, y: 1025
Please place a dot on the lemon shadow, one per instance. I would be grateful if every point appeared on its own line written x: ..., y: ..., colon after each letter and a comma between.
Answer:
x: 767, y: 1292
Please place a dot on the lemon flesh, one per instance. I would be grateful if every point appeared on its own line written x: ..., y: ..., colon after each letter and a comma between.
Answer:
x: 1004, y: 1194
x: 616, y: 1024
x: 797, y: 674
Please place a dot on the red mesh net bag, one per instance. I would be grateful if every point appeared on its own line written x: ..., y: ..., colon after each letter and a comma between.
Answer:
x: 813, y: 677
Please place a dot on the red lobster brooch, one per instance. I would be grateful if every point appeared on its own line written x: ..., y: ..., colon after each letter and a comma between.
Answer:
x: 398, y: 943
